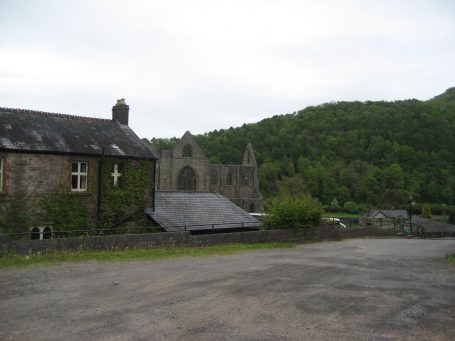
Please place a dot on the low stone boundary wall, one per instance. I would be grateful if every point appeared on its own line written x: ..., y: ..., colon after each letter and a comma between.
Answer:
x: 367, y: 232
x: 328, y: 232
x: 4, y: 243
x: 181, y: 239
x: 441, y: 234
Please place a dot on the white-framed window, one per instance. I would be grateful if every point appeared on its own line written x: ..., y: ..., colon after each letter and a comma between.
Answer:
x: 79, y: 174
x: 116, y: 174
x: 1, y: 174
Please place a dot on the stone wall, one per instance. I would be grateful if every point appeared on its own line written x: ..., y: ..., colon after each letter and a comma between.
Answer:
x: 238, y: 183
x: 4, y: 244
x: 366, y: 232
x: 183, y: 239
x: 30, y: 176
x: 173, y: 162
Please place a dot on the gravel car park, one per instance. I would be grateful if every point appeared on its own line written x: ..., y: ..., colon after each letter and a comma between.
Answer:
x: 355, y: 289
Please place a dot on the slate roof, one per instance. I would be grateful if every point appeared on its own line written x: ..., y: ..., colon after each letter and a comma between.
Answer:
x: 36, y: 131
x: 433, y: 226
x: 198, y: 211
x: 388, y: 213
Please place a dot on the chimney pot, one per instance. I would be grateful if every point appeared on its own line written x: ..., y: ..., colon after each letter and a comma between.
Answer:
x: 120, y: 112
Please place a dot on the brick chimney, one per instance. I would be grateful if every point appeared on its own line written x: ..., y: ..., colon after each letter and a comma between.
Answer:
x: 120, y: 112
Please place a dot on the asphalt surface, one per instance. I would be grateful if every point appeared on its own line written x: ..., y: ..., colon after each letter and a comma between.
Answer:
x: 369, y: 289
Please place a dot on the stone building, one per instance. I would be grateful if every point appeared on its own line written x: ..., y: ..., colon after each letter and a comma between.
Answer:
x: 186, y: 168
x: 384, y: 218
x: 87, y: 161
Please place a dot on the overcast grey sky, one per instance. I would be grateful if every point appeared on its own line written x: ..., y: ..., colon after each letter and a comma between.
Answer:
x: 201, y: 65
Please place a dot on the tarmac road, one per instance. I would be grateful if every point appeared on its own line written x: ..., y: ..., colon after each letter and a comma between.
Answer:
x: 376, y: 289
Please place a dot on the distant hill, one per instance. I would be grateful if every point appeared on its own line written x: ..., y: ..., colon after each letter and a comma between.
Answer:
x: 364, y: 152
x: 448, y: 96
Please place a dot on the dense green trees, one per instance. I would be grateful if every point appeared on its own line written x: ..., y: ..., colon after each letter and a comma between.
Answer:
x: 364, y: 152
x: 293, y: 212
x: 162, y: 144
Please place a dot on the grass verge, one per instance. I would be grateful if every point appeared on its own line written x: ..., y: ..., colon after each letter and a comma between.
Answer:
x: 451, y: 258
x: 13, y: 260
x: 341, y: 215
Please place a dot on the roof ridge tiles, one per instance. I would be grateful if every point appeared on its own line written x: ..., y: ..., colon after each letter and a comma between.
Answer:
x: 44, y: 113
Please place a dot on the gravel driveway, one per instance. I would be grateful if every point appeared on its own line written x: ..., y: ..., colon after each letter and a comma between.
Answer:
x: 378, y: 289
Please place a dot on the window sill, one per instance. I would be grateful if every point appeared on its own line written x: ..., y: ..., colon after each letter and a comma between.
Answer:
x: 80, y: 193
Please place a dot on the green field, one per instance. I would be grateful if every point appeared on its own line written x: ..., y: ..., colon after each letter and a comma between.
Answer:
x: 14, y: 260
x: 341, y: 215
x: 451, y: 258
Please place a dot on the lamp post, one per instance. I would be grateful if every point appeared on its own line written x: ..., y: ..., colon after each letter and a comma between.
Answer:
x: 410, y: 213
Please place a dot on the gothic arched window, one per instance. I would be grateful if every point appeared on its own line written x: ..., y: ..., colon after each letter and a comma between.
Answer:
x: 36, y: 233
x: 47, y: 233
x: 214, y: 181
x: 187, y: 151
x: 187, y: 179
x: 230, y: 179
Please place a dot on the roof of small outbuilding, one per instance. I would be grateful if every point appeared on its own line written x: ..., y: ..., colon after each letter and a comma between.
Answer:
x: 178, y: 211
x: 433, y: 226
x: 36, y: 131
x: 387, y: 213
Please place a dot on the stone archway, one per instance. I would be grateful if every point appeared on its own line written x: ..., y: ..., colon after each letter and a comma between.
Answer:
x: 35, y: 233
x: 47, y: 233
x: 187, y: 179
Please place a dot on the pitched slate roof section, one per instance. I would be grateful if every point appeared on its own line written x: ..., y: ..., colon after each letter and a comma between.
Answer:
x: 177, y: 211
x: 388, y: 213
x: 35, y: 131
x: 433, y: 226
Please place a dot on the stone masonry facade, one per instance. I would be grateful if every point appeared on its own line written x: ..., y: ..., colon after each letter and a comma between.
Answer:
x: 186, y: 168
x: 31, y: 176
x: 59, y: 162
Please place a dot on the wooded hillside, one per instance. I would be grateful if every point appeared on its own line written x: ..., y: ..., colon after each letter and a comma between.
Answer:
x: 364, y: 152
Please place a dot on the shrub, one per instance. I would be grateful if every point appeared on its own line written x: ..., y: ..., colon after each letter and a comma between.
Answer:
x: 426, y: 212
x: 351, y: 207
x: 293, y: 212
x: 334, y: 205
x: 67, y: 212
x: 13, y: 218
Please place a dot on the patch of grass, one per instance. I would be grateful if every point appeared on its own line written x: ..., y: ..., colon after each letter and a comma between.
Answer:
x: 13, y: 260
x: 340, y: 215
x: 343, y: 215
x: 451, y: 258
